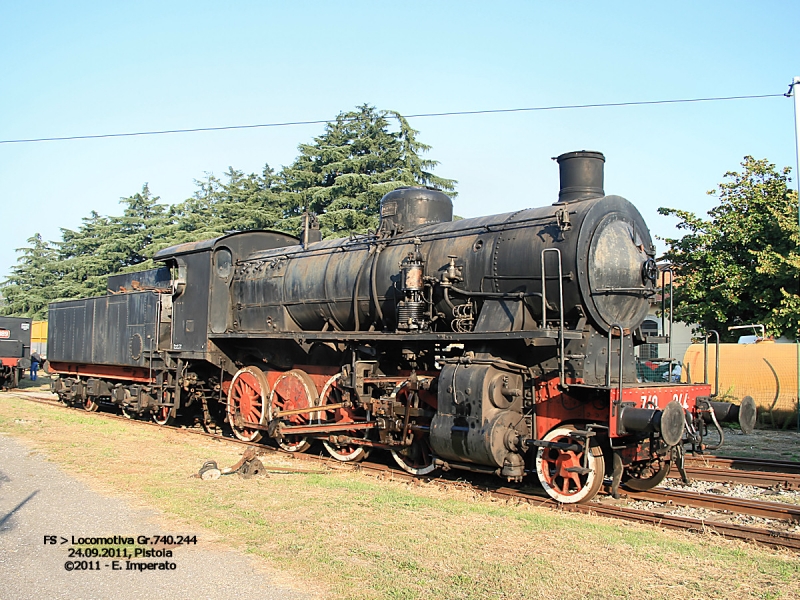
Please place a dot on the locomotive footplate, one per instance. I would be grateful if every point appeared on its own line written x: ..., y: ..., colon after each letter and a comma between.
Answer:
x: 421, y: 336
x: 668, y: 410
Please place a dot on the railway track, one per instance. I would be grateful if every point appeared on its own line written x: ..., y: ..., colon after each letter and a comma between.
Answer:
x: 757, y: 508
x: 725, y: 504
x: 788, y: 481
x: 744, y: 464
x: 747, y: 471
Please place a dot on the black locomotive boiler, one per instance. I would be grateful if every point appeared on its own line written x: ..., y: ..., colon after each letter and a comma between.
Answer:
x: 500, y: 344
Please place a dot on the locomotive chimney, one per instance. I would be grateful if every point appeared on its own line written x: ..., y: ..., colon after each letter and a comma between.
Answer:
x: 581, y: 175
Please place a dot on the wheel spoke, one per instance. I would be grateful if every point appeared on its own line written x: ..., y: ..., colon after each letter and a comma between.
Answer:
x: 576, y: 480
x: 293, y: 390
x: 245, y: 401
x: 553, y: 468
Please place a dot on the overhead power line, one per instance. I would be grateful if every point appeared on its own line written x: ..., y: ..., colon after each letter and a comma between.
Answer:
x: 416, y: 116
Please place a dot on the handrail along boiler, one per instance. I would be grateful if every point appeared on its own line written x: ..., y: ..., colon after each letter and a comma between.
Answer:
x: 499, y: 344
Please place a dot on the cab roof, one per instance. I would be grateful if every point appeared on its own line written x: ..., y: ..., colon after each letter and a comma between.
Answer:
x: 270, y: 237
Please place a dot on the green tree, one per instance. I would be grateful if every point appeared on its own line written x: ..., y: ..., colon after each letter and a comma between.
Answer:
x: 104, y: 245
x: 742, y: 265
x: 144, y: 227
x: 26, y: 290
x: 241, y: 203
x: 345, y: 172
x: 341, y: 176
x: 79, y: 264
x: 82, y: 259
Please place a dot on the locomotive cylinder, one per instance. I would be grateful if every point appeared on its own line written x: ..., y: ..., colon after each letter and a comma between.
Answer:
x: 479, y: 417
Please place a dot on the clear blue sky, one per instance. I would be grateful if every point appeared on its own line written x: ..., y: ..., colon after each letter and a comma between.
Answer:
x: 90, y: 68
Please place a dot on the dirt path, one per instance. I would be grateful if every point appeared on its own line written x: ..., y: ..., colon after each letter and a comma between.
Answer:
x: 38, y: 499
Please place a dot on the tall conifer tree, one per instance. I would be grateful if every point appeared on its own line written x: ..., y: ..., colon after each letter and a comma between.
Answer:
x: 345, y: 172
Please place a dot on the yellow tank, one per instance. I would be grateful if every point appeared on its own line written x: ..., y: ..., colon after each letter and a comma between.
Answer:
x: 39, y: 337
x: 766, y: 371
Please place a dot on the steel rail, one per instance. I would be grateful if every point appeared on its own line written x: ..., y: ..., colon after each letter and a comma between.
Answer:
x: 757, y: 508
x: 767, y: 537
x: 745, y: 464
x: 763, y: 479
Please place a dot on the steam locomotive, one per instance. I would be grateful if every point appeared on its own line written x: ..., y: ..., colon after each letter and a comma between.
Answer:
x: 15, y: 350
x: 501, y: 344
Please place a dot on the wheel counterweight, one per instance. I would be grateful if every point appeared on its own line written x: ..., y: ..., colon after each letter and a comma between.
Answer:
x: 293, y: 390
x: 332, y: 394
x: 560, y: 471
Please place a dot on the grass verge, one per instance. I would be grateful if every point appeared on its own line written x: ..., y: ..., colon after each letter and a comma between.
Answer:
x: 353, y: 536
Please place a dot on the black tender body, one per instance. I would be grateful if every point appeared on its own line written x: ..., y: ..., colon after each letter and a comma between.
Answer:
x: 117, y: 330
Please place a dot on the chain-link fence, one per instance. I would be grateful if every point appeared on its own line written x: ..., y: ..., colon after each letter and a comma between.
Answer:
x: 649, y: 371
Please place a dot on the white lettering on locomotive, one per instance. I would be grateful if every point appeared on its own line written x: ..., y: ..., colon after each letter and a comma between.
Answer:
x: 649, y: 401
x: 682, y: 399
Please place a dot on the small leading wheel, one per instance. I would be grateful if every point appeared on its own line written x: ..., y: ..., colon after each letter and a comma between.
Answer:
x: 163, y: 414
x: 331, y: 394
x: 416, y: 459
x: 90, y: 405
x: 293, y: 390
x: 561, y: 471
x: 645, y: 475
x: 247, y: 396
